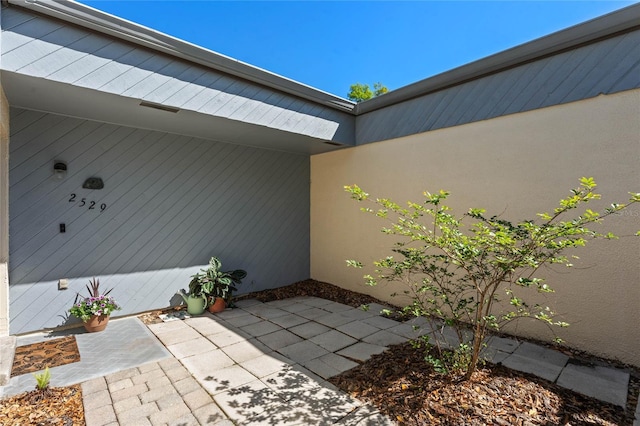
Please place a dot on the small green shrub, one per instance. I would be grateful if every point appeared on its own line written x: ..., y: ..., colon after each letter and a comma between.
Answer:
x: 460, y: 272
x: 43, y: 379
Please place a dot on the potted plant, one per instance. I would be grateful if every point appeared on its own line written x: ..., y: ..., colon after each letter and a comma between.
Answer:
x: 95, y: 310
x: 217, y: 285
x: 196, y: 300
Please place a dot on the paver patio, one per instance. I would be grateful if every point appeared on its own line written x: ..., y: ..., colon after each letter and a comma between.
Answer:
x: 268, y: 363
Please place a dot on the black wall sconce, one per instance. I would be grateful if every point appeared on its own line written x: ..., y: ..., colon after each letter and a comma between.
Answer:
x: 59, y: 170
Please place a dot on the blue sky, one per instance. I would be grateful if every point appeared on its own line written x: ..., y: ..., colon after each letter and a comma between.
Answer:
x: 330, y: 45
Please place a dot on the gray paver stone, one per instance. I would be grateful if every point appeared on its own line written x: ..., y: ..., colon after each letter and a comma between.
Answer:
x: 366, y: 415
x: 128, y: 392
x: 233, y: 313
x: 358, y: 329
x: 244, y: 351
x: 295, y: 308
x: 313, y: 313
x: 502, y: 344
x: 211, y: 414
x: 228, y: 337
x: 336, y: 307
x: 266, y: 364
x: 121, y: 384
x: 380, y: 322
x: 282, y: 303
x: 126, y: 404
x: 120, y: 375
x: 143, y: 411
x: 375, y: 308
x: 178, y: 373
x: 147, y: 368
x: 321, y: 369
x: 140, y: 421
x: 291, y: 382
x: 361, y: 351
x: 186, y: 420
x: 196, y: 399
x: 333, y: 340
x: 309, y: 329
x: 93, y: 385
x: 225, y: 379
x: 100, y: 416
x: 606, y: 384
x: 267, y: 312
x: 169, y: 364
x: 245, y: 402
x: 303, y: 351
x: 289, y: 320
x: 335, y: 363
x: 261, y: 328
x: 207, y: 325
x: 177, y: 336
x: 145, y: 377
x: 243, y: 320
x: 203, y: 364
x: 97, y: 399
x: 247, y: 302
x: 409, y: 331
x: 164, y: 327
x: 279, y: 339
x: 186, y: 386
x: 314, y: 301
x: 358, y: 314
x: 196, y: 346
x: 169, y: 400
x: 538, y: 360
x: 156, y: 394
x: 333, y: 320
x: 160, y: 382
x: 384, y: 338
x: 172, y: 413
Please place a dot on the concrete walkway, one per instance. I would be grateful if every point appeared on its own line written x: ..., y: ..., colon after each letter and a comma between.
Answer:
x: 267, y: 363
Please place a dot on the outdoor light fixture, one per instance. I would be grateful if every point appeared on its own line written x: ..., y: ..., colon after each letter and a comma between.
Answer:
x: 59, y: 170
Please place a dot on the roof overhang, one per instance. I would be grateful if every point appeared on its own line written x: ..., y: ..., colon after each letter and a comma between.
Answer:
x: 610, y: 25
x: 44, y: 95
x: 88, y: 17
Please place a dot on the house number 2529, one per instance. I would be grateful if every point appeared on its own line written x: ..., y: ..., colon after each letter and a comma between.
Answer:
x: 83, y: 202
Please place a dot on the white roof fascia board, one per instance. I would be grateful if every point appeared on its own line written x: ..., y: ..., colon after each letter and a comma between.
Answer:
x: 88, y: 17
x: 622, y: 20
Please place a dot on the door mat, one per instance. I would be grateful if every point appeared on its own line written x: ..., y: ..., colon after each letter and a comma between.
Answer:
x: 38, y: 356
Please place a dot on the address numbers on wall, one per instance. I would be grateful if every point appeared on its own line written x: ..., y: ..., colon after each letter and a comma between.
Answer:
x: 88, y: 204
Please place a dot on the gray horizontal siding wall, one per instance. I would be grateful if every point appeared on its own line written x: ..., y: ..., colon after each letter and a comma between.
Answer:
x: 38, y: 46
x: 606, y: 67
x: 171, y: 203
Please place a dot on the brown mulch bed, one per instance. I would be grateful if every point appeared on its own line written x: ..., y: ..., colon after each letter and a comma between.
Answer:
x: 38, y: 356
x: 51, y: 407
x: 402, y: 385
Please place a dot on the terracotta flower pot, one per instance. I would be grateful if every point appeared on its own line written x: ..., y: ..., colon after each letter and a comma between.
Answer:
x: 218, y: 306
x: 96, y: 323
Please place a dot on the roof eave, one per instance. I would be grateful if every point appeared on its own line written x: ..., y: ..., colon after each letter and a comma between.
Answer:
x: 88, y: 17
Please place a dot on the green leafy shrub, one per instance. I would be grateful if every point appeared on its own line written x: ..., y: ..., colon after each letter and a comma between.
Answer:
x: 460, y: 273
x: 213, y: 282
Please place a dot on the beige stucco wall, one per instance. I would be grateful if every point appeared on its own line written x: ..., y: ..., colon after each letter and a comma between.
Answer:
x: 515, y: 166
x: 4, y: 214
